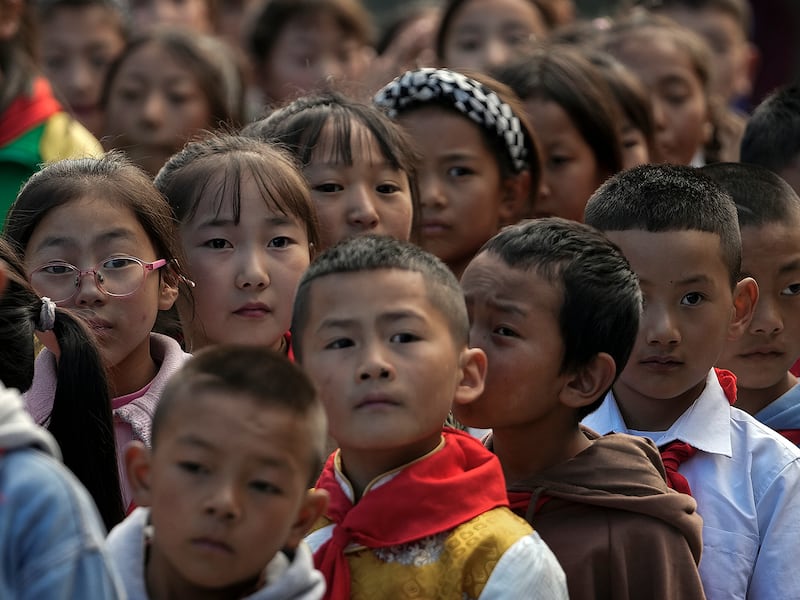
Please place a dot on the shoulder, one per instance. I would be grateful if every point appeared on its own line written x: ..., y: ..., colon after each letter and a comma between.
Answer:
x: 64, y: 137
x: 126, y: 547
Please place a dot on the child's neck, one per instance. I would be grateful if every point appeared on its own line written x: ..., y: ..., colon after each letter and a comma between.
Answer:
x: 753, y: 400
x: 133, y: 373
x: 644, y: 413
x: 362, y: 466
x: 526, y: 451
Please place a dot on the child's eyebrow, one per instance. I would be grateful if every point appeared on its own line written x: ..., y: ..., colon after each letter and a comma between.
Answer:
x: 389, y: 317
x: 58, y: 241
x: 792, y: 265
x: 506, y: 307
x: 692, y: 279
x: 193, y: 440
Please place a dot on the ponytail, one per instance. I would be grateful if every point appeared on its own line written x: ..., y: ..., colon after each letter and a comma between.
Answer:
x: 81, y: 420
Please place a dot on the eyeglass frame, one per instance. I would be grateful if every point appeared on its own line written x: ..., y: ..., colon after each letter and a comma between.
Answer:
x: 148, y: 267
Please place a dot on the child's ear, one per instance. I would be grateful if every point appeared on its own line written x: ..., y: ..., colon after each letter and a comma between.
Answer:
x: 745, y: 296
x: 473, y: 365
x: 516, y: 202
x: 313, y: 507
x: 137, y: 466
x: 586, y: 384
x: 167, y: 292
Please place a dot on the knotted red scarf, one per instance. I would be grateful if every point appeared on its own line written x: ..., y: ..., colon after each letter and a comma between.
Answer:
x: 520, y: 502
x: 674, y: 453
x: 451, y: 486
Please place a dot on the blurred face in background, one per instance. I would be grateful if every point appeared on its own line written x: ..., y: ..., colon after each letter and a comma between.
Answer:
x: 193, y: 14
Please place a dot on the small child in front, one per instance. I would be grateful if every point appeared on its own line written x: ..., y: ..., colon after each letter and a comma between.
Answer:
x: 381, y: 327
x: 556, y: 307
x: 769, y: 221
x: 238, y: 437
x: 678, y: 230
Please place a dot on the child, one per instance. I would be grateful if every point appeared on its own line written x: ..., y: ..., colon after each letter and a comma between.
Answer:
x: 96, y: 236
x: 360, y: 166
x: 381, y: 328
x: 481, y: 35
x: 78, y: 41
x: 480, y: 164
x: 576, y: 120
x: 556, y: 308
x: 769, y: 220
x: 81, y: 399
x: 165, y: 89
x: 772, y: 136
x: 674, y: 63
x: 248, y: 230
x: 678, y: 230
x: 34, y: 128
x: 726, y: 24
x: 223, y: 495
x: 302, y: 46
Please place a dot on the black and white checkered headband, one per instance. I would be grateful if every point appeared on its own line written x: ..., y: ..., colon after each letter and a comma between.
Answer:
x: 466, y: 95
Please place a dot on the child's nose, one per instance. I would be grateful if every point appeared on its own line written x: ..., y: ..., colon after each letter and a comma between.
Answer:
x: 660, y: 326
x: 361, y: 211
x: 431, y: 192
x: 153, y: 109
x: 223, y: 503
x: 88, y: 291
x: 374, y: 364
x: 766, y: 317
x: 253, y: 271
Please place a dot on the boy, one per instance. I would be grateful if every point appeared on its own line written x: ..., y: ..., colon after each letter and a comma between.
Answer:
x: 678, y: 230
x: 772, y: 136
x: 237, y: 437
x: 556, y: 307
x: 382, y: 328
x: 769, y: 221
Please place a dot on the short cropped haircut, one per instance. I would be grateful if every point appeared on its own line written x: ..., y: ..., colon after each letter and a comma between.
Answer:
x: 761, y: 196
x: 660, y: 198
x: 267, y: 378
x: 375, y: 253
x: 772, y: 135
x: 601, y: 299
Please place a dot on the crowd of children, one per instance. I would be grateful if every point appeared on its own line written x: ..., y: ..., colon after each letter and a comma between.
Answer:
x: 502, y: 306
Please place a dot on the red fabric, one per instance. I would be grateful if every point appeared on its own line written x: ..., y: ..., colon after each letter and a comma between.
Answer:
x: 289, y: 351
x: 793, y: 435
x: 673, y: 454
x: 520, y: 501
x: 451, y: 486
x: 131, y: 508
x: 26, y: 112
x: 728, y: 382
x: 795, y: 370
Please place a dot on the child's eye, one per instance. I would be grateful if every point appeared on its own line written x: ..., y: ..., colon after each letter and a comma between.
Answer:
x: 791, y: 290
x: 340, y: 343
x: 692, y: 299
x: 217, y: 244
x: 459, y: 171
x: 192, y: 467
x: 328, y: 188
x: 468, y: 45
x: 388, y: 188
x: 505, y: 332
x: 404, y: 338
x: 265, y: 487
x: 558, y: 160
x: 280, y: 242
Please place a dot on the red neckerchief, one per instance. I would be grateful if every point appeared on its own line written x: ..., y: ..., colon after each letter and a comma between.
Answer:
x: 454, y: 484
x: 793, y: 435
x: 26, y: 112
x: 520, y: 503
x: 674, y: 453
x: 289, y: 352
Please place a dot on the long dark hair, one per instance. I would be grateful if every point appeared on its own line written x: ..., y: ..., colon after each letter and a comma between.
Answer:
x: 81, y: 419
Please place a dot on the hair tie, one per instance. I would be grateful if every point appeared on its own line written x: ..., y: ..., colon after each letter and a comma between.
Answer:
x: 463, y: 93
x: 47, y: 315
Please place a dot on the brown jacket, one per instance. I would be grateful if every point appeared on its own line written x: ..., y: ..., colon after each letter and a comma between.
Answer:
x: 615, y: 527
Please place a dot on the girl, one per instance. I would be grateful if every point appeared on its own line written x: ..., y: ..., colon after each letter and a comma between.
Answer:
x: 97, y: 237
x: 81, y: 418
x: 165, y: 89
x: 249, y: 231
x: 301, y: 46
x: 359, y: 165
x: 576, y: 121
x: 692, y: 126
x: 480, y: 164
x: 78, y: 41
x: 480, y: 35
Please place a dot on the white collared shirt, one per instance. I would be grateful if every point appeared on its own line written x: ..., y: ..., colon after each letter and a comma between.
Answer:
x: 746, y: 481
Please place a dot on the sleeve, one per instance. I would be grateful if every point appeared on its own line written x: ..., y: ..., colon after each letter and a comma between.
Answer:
x: 776, y: 572
x: 58, y: 537
x: 528, y: 569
